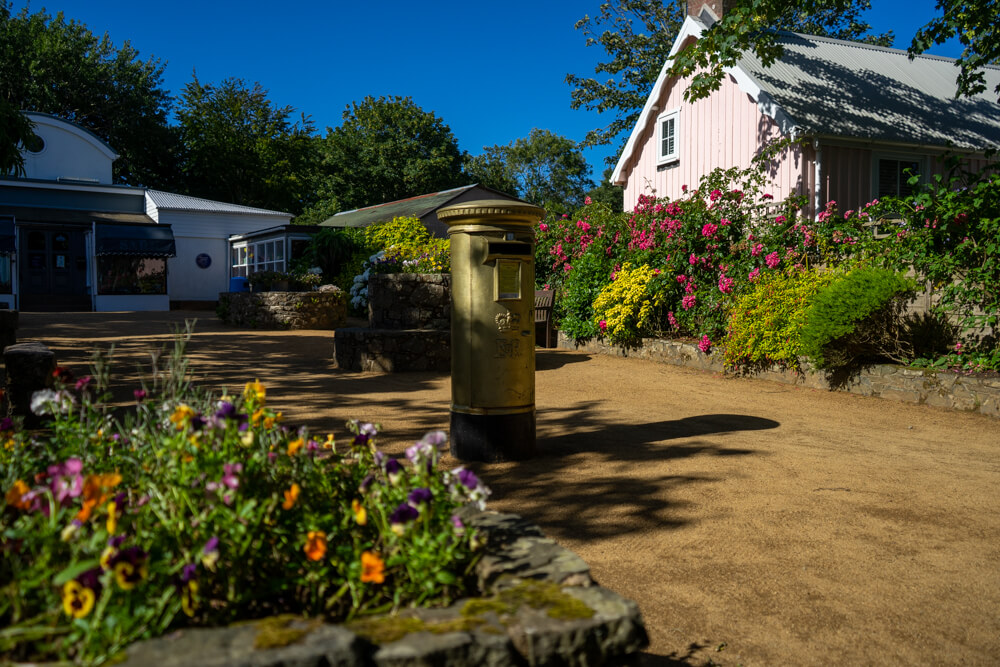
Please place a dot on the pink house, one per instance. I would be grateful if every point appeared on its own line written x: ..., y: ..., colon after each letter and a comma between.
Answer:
x: 867, y: 113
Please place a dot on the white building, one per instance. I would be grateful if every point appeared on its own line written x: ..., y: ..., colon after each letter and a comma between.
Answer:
x: 71, y: 240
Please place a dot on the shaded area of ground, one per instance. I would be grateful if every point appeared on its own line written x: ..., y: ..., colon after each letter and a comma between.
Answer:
x: 755, y: 523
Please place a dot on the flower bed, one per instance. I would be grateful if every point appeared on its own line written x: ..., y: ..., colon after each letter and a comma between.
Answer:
x: 191, y: 509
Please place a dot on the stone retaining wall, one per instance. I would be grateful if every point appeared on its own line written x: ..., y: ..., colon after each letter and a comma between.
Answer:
x: 580, y: 624
x: 283, y: 310
x: 409, y: 319
x: 392, y: 350
x: 409, y: 301
x: 911, y: 385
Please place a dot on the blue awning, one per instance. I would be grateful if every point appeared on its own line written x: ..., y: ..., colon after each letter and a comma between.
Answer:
x: 134, y: 240
x: 6, y: 236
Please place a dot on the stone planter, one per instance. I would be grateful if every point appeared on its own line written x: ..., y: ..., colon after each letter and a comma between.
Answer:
x: 409, y: 320
x: 539, y: 606
x: 284, y: 310
x: 409, y: 301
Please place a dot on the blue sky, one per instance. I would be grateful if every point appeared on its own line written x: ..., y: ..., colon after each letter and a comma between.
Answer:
x: 491, y: 70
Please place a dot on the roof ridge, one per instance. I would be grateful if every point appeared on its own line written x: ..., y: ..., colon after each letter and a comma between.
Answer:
x: 874, y: 47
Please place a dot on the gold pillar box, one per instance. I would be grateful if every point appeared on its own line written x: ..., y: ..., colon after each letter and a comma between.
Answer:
x: 492, y: 328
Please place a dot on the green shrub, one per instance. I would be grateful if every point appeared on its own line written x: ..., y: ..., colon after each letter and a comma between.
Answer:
x: 192, y: 509
x: 857, y: 318
x: 765, y: 325
x: 400, y: 231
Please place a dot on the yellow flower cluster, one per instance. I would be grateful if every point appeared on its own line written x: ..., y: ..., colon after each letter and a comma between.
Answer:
x: 626, y: 306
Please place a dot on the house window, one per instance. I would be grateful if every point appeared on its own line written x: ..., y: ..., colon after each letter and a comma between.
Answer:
x: 239, y: 256
x: 892, y: 175
x: 668, y: 137
x: 125, y: 274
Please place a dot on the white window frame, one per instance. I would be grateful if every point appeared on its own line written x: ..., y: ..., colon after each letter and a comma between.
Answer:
x: 675, y: 156
x: 921, y: 160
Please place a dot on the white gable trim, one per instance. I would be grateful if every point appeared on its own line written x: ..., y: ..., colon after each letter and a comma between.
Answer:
x: 692, y: 28
x: 72, y: 128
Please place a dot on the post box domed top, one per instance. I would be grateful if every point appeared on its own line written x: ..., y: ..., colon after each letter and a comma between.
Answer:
x: 491, y: 211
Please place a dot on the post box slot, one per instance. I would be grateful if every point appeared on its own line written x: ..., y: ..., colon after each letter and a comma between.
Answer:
x: 509, y: 248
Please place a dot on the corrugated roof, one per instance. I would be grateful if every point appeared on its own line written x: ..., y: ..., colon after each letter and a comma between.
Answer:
x: 834, y: 87
x: 417, y: 207
x: 175, y: 202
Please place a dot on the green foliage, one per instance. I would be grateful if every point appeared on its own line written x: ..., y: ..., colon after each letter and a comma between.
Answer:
x: 193, y: 509
x: 332, y: 250
x: 57, y: 66
x: 400, y: 231
x: 765, y: 324
x: 857, y: 318
x: 951, y: 238
x: 973, y: 22
x: 240, y: 148
x: 624, y: 310
x: 15, y: 131
x: 543, y: 168
x: 388, y: 149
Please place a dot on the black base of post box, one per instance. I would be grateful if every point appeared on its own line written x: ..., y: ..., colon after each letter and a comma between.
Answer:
x: 493, y: 438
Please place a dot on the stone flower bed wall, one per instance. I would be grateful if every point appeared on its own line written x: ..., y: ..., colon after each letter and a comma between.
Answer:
x: 409, y: 301
x: 539, y: 607
x: 409, y: 326
x: 284, y: 310
x: 910, y: 385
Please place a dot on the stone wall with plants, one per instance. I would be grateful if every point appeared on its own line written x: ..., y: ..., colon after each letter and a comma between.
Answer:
x: 924, y: 386
x: 323, y: 309
x: 409, y: 301
x: 724, y: 266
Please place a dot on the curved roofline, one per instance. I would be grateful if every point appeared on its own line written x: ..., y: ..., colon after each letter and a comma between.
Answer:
x: 39, y: 118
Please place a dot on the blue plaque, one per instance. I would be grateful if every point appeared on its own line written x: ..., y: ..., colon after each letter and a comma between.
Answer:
x: 203, y: 261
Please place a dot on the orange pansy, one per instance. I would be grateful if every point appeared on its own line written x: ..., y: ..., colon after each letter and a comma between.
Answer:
x: 372, y: 568
x: 291, y: 496
x: 315, y: 544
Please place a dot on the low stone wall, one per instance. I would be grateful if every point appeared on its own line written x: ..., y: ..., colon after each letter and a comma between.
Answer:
x: 910, y: 385
x: 409, y: 301
x: 577, y: 623
x: 283, y: 310
x: 409, y: 319
x: 392, y: 350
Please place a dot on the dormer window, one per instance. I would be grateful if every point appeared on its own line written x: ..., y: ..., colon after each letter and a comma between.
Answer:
x: 668, y: 137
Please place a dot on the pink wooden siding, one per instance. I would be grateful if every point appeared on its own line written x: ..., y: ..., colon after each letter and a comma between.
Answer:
x: 846, y: 176
x: 724, y: 130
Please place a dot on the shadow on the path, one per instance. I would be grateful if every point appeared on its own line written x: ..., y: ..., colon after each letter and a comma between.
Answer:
x: 626, y: 487
x: 549, y: 360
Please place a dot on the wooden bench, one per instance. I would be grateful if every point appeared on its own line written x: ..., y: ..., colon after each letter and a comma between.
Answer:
x: 543, y: 314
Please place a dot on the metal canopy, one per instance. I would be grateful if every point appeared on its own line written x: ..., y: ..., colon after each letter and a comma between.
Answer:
x: 134, y: 240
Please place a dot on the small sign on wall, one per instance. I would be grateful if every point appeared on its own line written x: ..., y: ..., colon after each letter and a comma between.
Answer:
x: 203, y: 261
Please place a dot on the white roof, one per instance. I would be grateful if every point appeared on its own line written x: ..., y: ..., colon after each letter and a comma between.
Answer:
x: 174, y: 202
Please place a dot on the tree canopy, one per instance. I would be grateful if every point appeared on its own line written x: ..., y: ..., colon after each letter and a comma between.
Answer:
x: 543, y: 168
x: 637, y: 36
x: 55, y: 66
x: 241, y: 148
x: 387, y: 149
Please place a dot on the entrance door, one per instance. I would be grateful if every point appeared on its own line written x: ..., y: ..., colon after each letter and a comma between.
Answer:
x: 53, y: 269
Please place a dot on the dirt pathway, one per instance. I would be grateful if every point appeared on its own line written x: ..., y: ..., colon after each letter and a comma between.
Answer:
x: 754, y: 523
